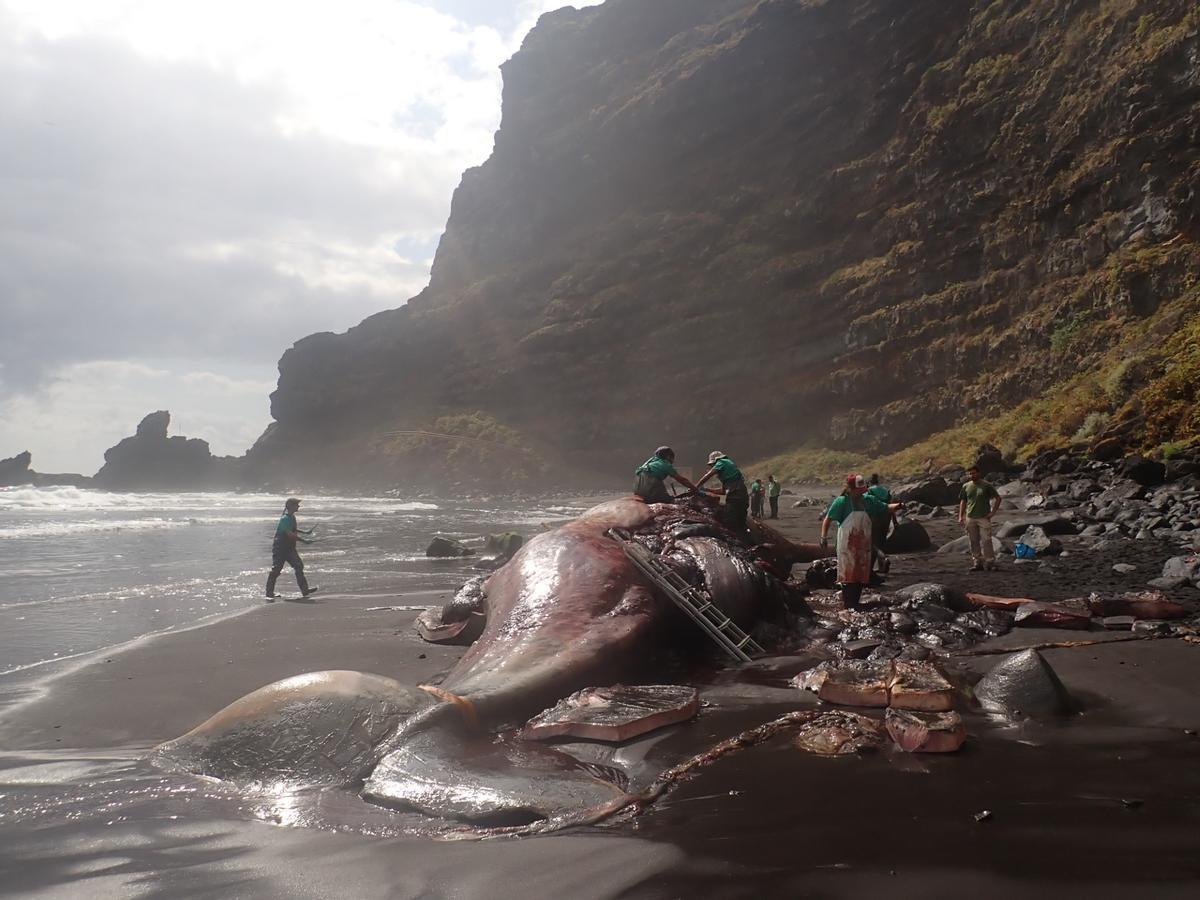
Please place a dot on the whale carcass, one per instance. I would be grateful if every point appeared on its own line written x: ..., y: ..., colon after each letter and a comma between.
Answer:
x: 568, y: 612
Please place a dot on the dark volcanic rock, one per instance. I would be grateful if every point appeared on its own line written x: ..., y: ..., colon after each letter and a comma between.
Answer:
x: 1146, y: 472
x: 15, y: 470
x: 908, y: 537
x: 152, y: 461
x: 1186, y: 567
x: 934, y: 491
x: 447, y: 547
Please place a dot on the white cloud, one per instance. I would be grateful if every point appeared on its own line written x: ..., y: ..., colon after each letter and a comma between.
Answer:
x: 213, y: 181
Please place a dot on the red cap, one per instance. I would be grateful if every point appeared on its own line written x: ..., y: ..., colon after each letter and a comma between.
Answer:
x: 854, y: 480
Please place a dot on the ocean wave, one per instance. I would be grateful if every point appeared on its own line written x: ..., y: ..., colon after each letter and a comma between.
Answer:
x: 61, y: 529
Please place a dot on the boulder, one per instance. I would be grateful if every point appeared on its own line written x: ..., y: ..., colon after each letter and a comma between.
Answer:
x: 907, y: 537
x: 1124, y: 568
x: 447, y: 547
x: 990, y: 460
x: 1082, y: 489
x: 935, y: 491
x: 1168, y: 584
x: 1146, y: 472
x: 1036, y: 537
x: 963, y: 545
x: 1024, y: 684
x: 1054, y: 524
x: 1011, y: 529
x: 1183, y: 567
x: 499, y: 549
x: 1107, y: 449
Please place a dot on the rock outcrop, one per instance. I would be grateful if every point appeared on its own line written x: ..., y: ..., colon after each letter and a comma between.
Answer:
x: 18, y: 470
x: 152, y: 461
x: 904, y: 212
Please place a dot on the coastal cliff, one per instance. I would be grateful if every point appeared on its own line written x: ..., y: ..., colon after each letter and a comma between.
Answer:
x: 757, y: 225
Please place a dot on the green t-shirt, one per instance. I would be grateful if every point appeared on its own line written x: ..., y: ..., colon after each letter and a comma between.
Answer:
x: 287, y: 523
x: 656, y: 466
x: 842, y: 506
x: 756, y: 486
x: 879, y: 492
x: 727, y: 470
x: 773, y: 488
x: 978, y: 495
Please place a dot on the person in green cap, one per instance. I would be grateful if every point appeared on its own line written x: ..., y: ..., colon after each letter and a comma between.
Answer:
x: 652, y: 476
x: 733, y: 486
x: 773, y: 491
x: 853, y: 511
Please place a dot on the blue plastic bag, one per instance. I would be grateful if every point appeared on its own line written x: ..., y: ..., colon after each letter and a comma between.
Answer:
x: 1024, y: 551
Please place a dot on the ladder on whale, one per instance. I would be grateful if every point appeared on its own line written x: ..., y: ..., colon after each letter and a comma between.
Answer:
x: 723, y: 630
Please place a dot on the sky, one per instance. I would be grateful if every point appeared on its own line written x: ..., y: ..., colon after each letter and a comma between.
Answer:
x: 187, y: 188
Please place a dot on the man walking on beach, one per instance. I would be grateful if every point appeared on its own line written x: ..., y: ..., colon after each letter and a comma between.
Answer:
x: 977, y: 503
x: 773, y: 490
x: 283, y: 549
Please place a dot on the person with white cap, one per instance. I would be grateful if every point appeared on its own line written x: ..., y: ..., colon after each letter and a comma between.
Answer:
x: 652, y: 476
x: 853, y: 511
x: 733, y: 486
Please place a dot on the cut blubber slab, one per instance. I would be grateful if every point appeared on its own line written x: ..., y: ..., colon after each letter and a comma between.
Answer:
x: 615, y: 713
x: 919, y: 685
x: 913, y: 732
x: 857, y: 684
x: 838, y: 733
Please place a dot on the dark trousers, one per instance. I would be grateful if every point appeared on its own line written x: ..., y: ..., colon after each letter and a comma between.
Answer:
x: 735, y: 511
x: 774, y: 501
x: 281, y: 554
x: 756, y: 505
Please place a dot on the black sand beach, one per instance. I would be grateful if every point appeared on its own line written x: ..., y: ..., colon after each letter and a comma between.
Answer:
x: 1105, y: 802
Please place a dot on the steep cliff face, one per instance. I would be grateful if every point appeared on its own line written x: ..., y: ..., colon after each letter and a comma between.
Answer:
x: 756, y: 224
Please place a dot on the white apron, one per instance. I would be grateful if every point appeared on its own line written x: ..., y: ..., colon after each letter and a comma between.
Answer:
x: 854, y: 549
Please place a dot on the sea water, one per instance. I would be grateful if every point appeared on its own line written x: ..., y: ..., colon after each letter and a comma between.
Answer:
x: 82, y: 571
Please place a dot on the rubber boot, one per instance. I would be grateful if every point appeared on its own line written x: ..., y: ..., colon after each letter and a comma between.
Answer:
x: 303, y: 582
x: 271, y: 585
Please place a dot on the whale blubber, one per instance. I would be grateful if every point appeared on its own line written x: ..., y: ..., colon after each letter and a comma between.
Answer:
x: 615, y: 713
x: 914, y: 732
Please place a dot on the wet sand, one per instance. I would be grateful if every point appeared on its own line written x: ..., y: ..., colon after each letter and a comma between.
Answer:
x: 1105, y: 802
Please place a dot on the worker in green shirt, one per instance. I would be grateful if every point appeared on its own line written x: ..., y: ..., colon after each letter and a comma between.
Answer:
x: 652, y: 476
x: 283, y: 549
x: 880, y: 524
x: 977, y: 503
x: 773, y: 491
x: 733, y: 486
x: 853, y: 511
x: 756, y: 498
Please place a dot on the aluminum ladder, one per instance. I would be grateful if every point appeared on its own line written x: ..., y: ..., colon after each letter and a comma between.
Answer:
x: 701, y: 610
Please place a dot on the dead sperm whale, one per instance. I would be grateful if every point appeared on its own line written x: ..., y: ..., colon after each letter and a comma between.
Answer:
x: 569, y: 611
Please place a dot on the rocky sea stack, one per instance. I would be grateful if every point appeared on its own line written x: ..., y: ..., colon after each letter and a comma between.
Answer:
x: 776, y: 222
x: 151, y: 461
